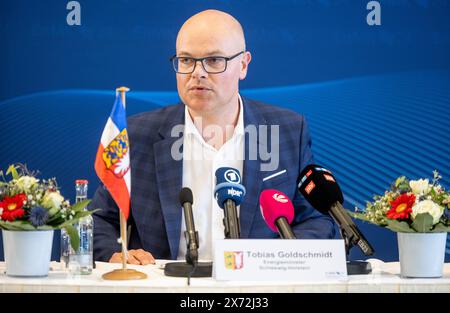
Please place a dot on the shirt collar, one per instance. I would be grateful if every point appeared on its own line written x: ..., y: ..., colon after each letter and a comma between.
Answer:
x: 239, y: 129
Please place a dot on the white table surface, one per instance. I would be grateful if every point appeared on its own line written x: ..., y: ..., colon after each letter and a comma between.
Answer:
x: 384, y: 278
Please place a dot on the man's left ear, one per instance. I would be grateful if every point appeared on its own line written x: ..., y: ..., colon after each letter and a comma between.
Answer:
x: 245, y: 61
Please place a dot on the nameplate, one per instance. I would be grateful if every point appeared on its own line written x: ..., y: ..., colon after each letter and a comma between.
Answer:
x: 279, y: 260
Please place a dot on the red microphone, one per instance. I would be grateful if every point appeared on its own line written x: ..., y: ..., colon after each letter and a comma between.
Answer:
x: 278, y: 212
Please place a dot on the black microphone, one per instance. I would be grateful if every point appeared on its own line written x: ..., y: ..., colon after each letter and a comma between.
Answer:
x: 191, y: 236
x: 229, y: 194
x: 319, y: 187
x: 190, y: 268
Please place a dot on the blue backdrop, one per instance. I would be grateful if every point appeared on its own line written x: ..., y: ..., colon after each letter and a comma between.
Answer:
x: 377, y: 98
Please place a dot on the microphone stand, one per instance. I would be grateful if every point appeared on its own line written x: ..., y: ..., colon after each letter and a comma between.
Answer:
x: 190, y: 268
x: 284, y: 229
x: 354, y: 267
x: 231, y: 221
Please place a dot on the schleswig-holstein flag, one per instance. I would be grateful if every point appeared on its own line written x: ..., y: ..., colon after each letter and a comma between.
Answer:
x: 112, y: 163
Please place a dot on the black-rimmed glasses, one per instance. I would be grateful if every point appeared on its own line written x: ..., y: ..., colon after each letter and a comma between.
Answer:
x: 211, y: 64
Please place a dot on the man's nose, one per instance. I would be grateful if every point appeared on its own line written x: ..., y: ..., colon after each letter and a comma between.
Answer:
x: 199, y: 71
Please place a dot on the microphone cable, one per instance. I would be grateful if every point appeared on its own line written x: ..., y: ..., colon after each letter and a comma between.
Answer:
x: 191, y: 273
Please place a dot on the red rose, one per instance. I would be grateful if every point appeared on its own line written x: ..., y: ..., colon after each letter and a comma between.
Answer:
x: 401, y: 207
x: 13, y: 207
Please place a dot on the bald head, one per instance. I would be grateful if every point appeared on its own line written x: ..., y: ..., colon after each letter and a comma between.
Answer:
x: 208, y: 35
x: 211, y: 28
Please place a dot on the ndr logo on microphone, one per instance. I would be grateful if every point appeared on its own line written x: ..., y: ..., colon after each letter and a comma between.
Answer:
x: 234, y: 192
x: 232, y: 176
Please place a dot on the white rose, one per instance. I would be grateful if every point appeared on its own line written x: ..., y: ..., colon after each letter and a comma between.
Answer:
x: 26, y: 182
x: 428, y: 206
x: 420, y: 186
x: 52, y: 200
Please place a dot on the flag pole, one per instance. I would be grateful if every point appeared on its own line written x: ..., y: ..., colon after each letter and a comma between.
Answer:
x: 123, y: 236
x: 123, y: 221
x: 124, y: 273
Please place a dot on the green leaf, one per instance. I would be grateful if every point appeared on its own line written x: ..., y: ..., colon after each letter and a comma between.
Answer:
x: 78, y: 216
x: 399, y: 180
x: 45, y: 227
x: 54, y: 218
x: 423, y: 223
x: 9, y: 226
x: 85, y: 213
x: 74, y: 237
x: 360, y: 216
x: 22, y: 225
x: 399, y: 226
x: 79, y: 206
x: 12, y: 170
x: 17, y: 225
x: 441, y: 228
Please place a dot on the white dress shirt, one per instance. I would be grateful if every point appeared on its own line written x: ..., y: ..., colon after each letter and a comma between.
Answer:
x: 200, y: 162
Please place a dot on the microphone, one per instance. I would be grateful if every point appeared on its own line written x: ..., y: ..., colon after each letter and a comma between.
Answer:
x: 190, y: 268
x: 278, y: 212
x: 229, y: 194
x: 191, y: 236
x: 319, y: 187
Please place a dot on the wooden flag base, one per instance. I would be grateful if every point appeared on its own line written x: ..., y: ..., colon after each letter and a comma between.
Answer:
x: 124, y: 274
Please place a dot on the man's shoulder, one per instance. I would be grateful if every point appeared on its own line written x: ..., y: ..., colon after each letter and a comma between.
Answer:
x: 273, y: 113
x: 155, y: 116
x: 146, y: 126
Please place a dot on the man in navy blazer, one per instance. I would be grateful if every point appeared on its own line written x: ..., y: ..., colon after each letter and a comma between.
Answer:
x: 210, y: 61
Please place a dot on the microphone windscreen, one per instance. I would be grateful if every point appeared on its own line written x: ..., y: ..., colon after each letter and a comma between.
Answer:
x: 319, y: 187
x: 227, y: 175
x: 275, y: 204
x: 228, y: 186
x: 186, y: 196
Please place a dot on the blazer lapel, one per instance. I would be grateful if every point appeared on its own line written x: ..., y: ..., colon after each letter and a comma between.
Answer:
x: 169, y: 172
x: 251, y: 176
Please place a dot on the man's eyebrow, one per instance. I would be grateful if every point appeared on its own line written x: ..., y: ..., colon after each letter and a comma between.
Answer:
x: 210, y: 53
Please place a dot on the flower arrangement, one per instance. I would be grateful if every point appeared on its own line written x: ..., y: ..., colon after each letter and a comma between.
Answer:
x: 28, y: 203
x: 410, y: 206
